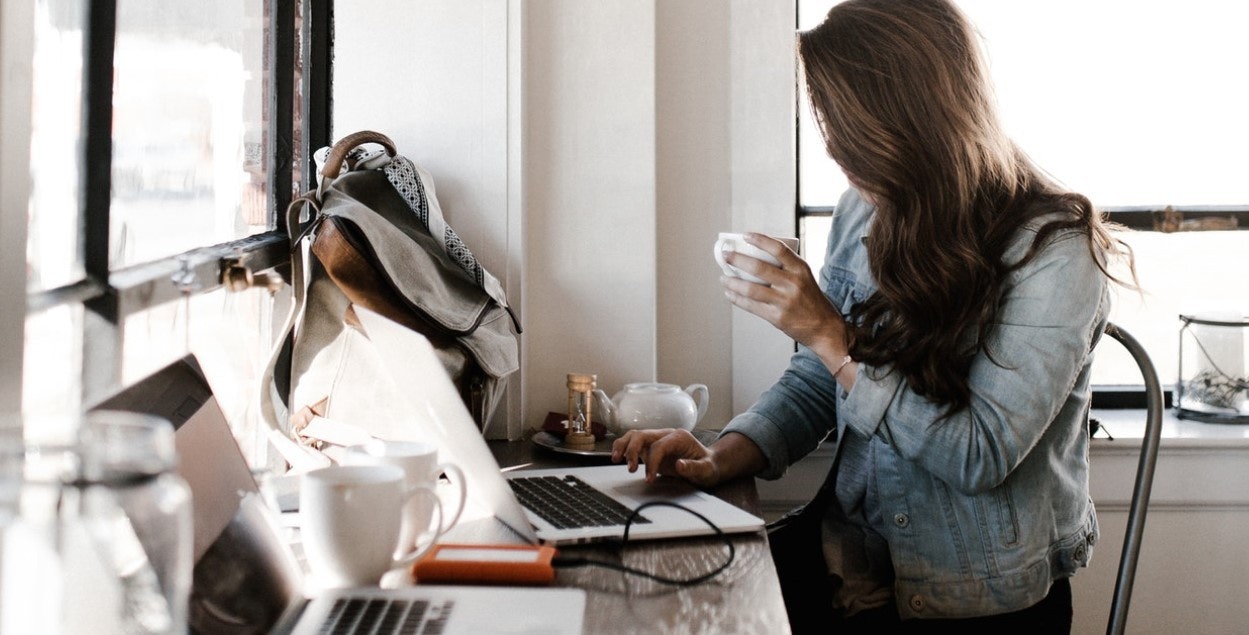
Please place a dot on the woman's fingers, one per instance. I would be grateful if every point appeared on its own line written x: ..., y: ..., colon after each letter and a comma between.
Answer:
x: 791, y: 266
x: 662, y: 455
x: 632, y: 447
x: 660, y: 451
x: 767, y: 243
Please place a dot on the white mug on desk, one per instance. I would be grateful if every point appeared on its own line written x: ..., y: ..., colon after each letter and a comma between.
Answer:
x: 350, y: 518
x: 421, y: 468
x: 730, y: 241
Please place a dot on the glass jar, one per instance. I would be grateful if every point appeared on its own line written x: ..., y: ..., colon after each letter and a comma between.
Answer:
x: 34, y: 575
x: 97, y: 526
x: 139, y: 509
x: 1213, y: 386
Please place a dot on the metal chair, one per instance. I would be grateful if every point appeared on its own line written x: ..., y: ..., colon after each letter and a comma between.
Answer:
x: 1144, y: 481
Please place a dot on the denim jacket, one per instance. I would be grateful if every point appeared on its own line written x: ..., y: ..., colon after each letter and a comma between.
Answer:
x: 983, y: 510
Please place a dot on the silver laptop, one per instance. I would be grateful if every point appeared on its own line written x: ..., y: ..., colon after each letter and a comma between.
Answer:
x: 444, y: 421
x: 443, y: 609
x: 246, y: 577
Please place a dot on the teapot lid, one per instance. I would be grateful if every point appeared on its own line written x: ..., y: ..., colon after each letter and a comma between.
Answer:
x: 653, y: 387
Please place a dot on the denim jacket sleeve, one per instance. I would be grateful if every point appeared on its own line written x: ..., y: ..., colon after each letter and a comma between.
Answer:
x: 792, y: 417
x: 1052, y: 312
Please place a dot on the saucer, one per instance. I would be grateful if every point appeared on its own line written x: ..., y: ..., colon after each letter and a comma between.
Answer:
x: 601, y: 447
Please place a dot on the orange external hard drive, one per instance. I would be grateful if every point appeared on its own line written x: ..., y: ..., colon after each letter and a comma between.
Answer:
x: 486, y: 564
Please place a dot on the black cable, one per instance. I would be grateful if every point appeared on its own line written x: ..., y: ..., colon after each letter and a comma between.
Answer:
x: 567, y: 562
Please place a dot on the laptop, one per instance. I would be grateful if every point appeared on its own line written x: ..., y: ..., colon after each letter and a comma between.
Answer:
x: 436, y: 414
x: 246, y: 577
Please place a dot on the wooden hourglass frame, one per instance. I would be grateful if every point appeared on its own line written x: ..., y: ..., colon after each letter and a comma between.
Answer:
x: 580, y: 404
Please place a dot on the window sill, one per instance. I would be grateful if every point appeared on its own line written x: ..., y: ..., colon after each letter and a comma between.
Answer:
x: 1129, y: 425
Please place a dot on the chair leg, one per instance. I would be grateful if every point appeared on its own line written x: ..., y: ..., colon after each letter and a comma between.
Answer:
x: 1144, y: 481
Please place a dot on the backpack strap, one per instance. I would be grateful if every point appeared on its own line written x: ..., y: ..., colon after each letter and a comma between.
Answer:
x: 274, y: 406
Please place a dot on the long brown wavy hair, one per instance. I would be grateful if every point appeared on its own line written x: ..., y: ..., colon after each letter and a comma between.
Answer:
x: 904, y: 103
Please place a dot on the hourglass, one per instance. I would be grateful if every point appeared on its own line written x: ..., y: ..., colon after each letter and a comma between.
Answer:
x: 580, y: 397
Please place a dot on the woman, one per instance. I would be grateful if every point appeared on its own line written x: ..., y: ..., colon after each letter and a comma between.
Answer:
x: 947, y: 347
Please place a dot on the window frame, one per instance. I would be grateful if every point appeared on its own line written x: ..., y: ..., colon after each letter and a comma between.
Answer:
x: 109, y: 296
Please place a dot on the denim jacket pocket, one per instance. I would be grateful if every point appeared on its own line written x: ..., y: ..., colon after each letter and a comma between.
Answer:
x: 1008, y: 519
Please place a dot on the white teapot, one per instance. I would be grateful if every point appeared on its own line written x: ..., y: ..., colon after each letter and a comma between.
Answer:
x: 643, y: 405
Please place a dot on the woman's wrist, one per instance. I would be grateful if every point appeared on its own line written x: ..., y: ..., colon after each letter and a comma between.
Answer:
x: 735, y: 455
x: 833, y: 352
x: 845, y: 361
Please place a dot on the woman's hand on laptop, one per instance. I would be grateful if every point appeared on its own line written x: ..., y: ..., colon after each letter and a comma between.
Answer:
x: 674, y: 452
x: 667, y: 452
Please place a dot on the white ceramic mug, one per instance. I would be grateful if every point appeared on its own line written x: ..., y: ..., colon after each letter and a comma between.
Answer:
x: 730, y: 241
x: 419, y: 462
x: 350, y: 518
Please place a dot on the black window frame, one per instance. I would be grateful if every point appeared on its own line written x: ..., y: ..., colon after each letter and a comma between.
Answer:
x: 109, y: 296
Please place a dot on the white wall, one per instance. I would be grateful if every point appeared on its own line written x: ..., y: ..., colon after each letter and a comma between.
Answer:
x: 762, y: 80
x: 694, y: 196
x: 589, y: 152
x: 1194, y: 566
x: 590, y: 214
x: 725, y: 162
x: 434, y: 77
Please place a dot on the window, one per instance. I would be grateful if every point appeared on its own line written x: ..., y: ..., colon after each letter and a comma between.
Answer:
x: 1138, y: 106
x: 165, y: 137
x: 189, y: 125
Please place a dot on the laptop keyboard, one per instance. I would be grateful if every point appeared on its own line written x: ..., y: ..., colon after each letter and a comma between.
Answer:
x: 384, y: 616
x: 568, y: 502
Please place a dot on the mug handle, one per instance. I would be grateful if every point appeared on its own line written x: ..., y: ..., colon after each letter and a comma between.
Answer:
x: 452, y: 468
x: 419, y: 551
x: 718, y: 251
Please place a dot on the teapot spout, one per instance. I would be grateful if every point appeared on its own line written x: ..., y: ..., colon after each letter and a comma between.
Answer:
x: 607, y: 410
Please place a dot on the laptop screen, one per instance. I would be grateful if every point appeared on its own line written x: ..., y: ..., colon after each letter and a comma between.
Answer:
x: 209, y: 459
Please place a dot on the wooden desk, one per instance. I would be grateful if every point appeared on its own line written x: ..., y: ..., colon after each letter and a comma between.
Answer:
x: 745, y: 598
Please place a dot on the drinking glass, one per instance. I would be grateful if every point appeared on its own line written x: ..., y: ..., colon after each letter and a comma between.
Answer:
x: 126, y: 483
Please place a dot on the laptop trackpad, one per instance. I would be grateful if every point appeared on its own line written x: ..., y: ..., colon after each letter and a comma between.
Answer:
x: 663, y: 489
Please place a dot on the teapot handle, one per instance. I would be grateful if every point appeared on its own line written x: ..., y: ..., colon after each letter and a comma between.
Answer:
x: 701, y: 396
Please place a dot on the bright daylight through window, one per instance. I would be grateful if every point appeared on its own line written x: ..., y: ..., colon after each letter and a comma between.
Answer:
x: 191, y: 121
x: 1136, y: 105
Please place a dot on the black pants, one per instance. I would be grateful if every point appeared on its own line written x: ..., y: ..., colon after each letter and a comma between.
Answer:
x: 808, y: 592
